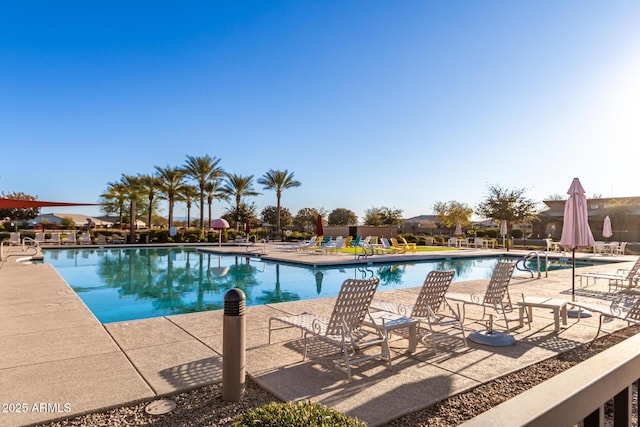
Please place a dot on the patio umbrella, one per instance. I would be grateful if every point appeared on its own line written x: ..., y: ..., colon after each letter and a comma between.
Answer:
x: 247, y: 228
x: 503, y: 232
x: 319, y: 228
x: 575, y: 228
x: 219, y: 224
x: 458, y: 231
x: 606, y: 228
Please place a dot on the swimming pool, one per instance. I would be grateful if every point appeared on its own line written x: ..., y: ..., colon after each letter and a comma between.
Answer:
x: 136, y: 283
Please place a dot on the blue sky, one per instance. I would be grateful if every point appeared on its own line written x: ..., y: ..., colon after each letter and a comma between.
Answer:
x: 369, y: 103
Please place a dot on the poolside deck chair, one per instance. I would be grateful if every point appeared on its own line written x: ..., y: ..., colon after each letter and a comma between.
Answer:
x: 115, y: 238
x: 101, y: 240
x: 431, y: 307
x: 55, y: 238
x: 334, y: 246
x: 397, y: 246
x: 14, y: 239
x: 615, y: 310
x: 410, y: 246
x: 621, y: 279
x: 71, y: 238
x: 388, y: 247
x: 85, y: 238
x: 40, y: 237
x: 344, y: 327
x: 305, y: 245
x: 496, y: 297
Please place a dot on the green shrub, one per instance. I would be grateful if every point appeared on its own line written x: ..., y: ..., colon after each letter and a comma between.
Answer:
x: 516, y: 233
x: 296, y: 414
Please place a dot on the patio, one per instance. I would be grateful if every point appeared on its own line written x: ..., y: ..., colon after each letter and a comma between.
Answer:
x: 54, y: 351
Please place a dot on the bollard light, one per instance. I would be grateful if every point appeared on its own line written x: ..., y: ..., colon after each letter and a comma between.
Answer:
x: 233, y: 345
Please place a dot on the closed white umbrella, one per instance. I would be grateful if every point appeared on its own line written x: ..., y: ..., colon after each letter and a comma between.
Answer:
x: 458, y: 231
x: 503, y: 233
x: 606, y: 228
x: 575, y: 228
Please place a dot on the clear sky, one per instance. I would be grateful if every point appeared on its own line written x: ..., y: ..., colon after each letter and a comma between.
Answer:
x: 369, y: 103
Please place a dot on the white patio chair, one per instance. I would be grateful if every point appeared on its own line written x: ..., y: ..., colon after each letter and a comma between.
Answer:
x: 431, y: 307
x: 344, y: 327
x: 495, y: 298
x: 620, y: 249
x: 71, y: 238
x: 55, y: 238
x: 598, y: 247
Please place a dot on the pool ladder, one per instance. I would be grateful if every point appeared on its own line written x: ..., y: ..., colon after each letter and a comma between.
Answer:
x: 521, y: 264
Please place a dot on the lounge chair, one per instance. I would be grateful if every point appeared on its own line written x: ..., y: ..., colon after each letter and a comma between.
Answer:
x: 618, y: 279
x: 347, y: 241
x: 71, y: 238
x: 14, y: 239
x: 101, y: 240
x: 355, y: 242
x: 306, y: 245
x: 496, y: 296
x: 388, y: 247
x: 397, y: 246
x: 85, y: 238
x: 344, y: 327
x: 115, y: 239
x: 55, y: 238
x: 334, y: 246
x: 615, y: 310
x: 430, y: 307
x: 410, y: 246
x: 40, y: 237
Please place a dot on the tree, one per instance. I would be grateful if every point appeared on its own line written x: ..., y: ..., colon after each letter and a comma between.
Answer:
x: 306, y: 218
x: 19, y: 214
x: 237, y: 187
x: 383, y: 216
x: 213, y: 190
x: 171, y: 184
x: 242, y: 213
x: 150, y: 186
x: 203, y: 170
x: 508, y: 205
x: 278, y: 180
x: 449, y: 213
x: 342, y: 216
x: 187, y: 195
x: 269, y: 215
x: 113, y: 200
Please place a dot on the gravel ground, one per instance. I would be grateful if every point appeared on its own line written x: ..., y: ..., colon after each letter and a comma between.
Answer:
x: 205, y: 407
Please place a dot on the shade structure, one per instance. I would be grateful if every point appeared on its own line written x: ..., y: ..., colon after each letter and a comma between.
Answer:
x: 575, y: 229
x: 606, y: 228
x: 219, y: 224
x: 319, y: 227
x: 6, y: 203
x: 458, y: 231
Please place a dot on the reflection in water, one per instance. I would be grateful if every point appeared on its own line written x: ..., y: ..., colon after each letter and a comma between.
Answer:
x: 135, y: 283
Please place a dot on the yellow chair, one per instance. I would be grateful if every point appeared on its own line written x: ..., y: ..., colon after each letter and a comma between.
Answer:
x: 410, y: 246
x: 397, y: 246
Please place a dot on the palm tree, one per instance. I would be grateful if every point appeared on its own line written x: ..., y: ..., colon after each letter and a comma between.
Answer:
x: 238, y: 186
x: 132, y: 184
x: 188, y: 193
x: 149, y: 185
x: 278, y: 180
x: 203, y: 170
x: 171, y: 184
x: 213, y: 191
x: 114, y: 198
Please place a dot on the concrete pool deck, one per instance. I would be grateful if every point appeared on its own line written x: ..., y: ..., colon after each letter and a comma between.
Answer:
x: 57, y: 360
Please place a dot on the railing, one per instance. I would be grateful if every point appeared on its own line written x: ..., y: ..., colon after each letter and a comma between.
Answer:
x: 578, y: 394
x: 27, y: 245
x: 521, y: 264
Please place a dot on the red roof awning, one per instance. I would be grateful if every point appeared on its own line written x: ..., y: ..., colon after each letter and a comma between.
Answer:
x: 17, y: 203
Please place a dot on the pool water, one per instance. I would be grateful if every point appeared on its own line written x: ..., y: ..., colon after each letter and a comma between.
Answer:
x: 137, y: 283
